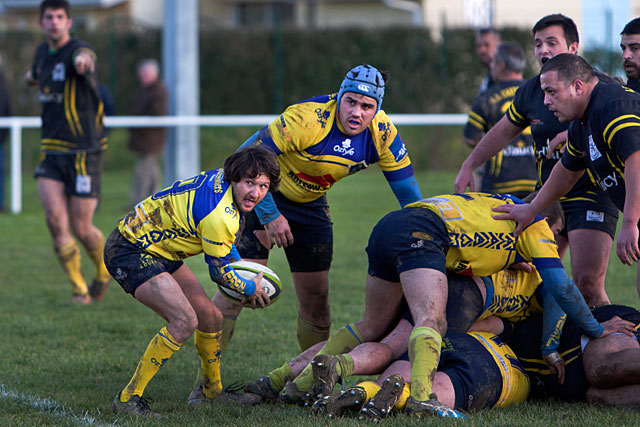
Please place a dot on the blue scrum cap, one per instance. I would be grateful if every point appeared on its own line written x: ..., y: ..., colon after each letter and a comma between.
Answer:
x: 365, y: 80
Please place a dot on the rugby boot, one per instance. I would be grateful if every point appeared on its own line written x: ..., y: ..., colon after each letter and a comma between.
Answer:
x: 136, y: 405
x: 290, y: 394
x: 340, y: 402
x: 263, y: 388
x: 97, y: 289
x: 382, y: 403
x: 81, y: 299
x: 229, y: 395
x: 325, y: 375
x: 431, y: 407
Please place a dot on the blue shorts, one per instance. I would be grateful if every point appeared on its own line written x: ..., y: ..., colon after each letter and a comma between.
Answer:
x: 130, y: 265
x: 312, y: 231
x: 407, y: 239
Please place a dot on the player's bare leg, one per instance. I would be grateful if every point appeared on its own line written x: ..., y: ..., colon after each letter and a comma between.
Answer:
x: 590, y: 250
x: 626, y: 395
x: 55, y: 204
x: 314, y: 316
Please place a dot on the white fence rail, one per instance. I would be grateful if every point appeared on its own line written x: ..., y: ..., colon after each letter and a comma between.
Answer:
x: 17, y: 123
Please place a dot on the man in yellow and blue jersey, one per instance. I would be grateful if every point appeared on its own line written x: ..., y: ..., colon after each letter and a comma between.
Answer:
x: 318, y: 142
x: 411, y: 250
x: 73, y: 139
x: 145, y: 252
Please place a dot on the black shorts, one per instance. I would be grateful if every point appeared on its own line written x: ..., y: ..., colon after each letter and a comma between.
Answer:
x: 581, y: 215
x: 130, y: 265
x: 80, y: 172
x: 312, y: 231
x: 407, y: 239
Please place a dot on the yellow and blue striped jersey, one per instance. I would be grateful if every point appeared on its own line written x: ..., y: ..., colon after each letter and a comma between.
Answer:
x: 511, y: 296
x: 515, y: 382
x: 480, y: 245
x: 190, y: 217
x: 314, y: 153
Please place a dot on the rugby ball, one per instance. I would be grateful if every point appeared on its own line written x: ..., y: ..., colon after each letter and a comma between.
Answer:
x: 249, y: 270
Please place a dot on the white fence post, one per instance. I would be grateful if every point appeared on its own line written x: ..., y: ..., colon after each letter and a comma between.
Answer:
x: 16, y: 166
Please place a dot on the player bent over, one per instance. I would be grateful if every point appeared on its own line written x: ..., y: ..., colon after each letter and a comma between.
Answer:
x: 410, y: 251
x: 145, y: 252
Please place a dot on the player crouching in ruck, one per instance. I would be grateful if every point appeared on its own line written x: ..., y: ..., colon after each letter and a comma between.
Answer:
x: 145, y: 252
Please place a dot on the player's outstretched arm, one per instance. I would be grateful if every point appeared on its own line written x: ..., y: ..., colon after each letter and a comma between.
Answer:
x: 495, y: 140
x: 627, y: 241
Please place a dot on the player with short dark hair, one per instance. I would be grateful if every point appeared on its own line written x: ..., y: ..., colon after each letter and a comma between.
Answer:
x: 630, y: 45
x: 145, y: 252
x: 487, y: 41
x: 605, y: 140
x: 513, y: 169
x: 318, y: 142
x: 591, y: 218
x: 68, y: 172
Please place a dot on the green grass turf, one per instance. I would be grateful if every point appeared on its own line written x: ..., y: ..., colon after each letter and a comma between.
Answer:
x: 62, y: 365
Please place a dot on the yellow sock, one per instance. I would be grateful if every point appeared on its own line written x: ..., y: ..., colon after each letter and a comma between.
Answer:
x: 345, y: 340
x: 278, y: 377
x: 370, y: 389
x: 424, y: 353
x: 228, y: 325
x: 97, y: 256
x: 345, y: 365
x: 208, y: 347
x: 402, y: 400
x: 69, y: 258
x: 311, y: 333
x: 160, y: 349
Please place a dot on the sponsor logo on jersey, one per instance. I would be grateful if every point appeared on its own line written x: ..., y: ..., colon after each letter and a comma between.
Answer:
x: 217, y: 182
x: 537, y: 122
x: 312, y: 183
x: 345, y: 148
x: 156, y: 236
x: 322, y: 116
x: 230, y: 210
x: 593, y: 150
x: 385, y: 128
x: 351, y: 169
x: 485, y: 240
x: 58, y: 72
x: 595, y: 216
x: 608, y: 181
x: 46, y: 96
x: 421, y: 235
x: 541, y: 152
x: 460, y: 266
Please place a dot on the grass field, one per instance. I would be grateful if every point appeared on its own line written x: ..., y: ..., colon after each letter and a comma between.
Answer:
x: 62, y: 365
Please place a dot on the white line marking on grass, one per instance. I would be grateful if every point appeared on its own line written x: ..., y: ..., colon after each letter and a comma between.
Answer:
x: 49, y: 406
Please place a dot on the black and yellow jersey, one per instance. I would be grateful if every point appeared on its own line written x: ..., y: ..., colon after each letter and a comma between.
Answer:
x: 190, y: 217
x: 604, y: 137
x: 528, y: 109
x: 314, y: 153
x: 72, y: 110
x: 634, y: 84
x: 513, y: 169
x: 480, y: 245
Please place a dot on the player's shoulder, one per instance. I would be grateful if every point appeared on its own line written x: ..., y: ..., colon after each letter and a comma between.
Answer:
x: 382, y: 128
x: 312, y: 111
x: 613, y: 100
x: 530, y: 86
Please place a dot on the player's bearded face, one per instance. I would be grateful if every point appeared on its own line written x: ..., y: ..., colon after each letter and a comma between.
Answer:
x: 356, y: 112
x: 630, y: 45
x: 248, y: 192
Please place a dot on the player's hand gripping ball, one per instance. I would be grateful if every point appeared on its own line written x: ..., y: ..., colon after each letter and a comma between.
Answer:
x: 249, y: 270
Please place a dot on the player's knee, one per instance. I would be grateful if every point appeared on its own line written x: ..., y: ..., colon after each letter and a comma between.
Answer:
x: 184, y: 325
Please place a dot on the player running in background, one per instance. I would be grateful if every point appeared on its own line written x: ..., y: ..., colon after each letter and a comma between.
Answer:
x: 70, y: 163
x: 513, y: 169
x: 318, y: 142
x: 591, y: 218
x: 145, y: 252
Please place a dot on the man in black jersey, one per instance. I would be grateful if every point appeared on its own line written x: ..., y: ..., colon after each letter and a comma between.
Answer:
x: 70, y: 163
x: 630, y: 45
x: 590, y: 216
x: 487, y: 41
x: 513, y: 169
x: 605, y: 140
x: 599, y: 370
